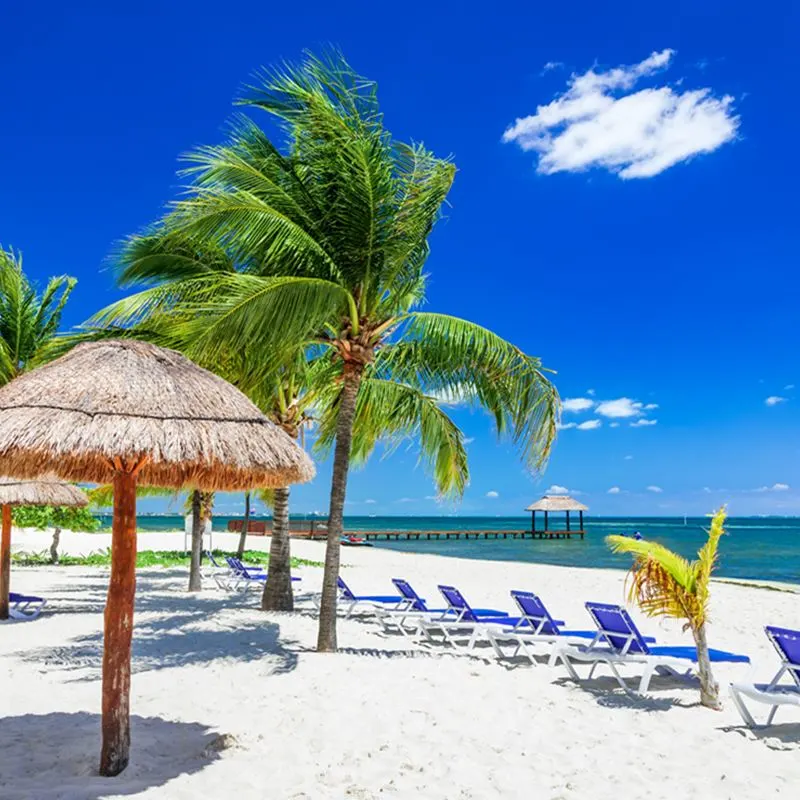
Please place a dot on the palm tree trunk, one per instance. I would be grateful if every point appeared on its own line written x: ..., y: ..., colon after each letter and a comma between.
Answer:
x: 709, y: 688
x: 54, y: 545
x: 326, y: 638
x: 278, y: 586
x: 195, y: 582
x: 243, y: 535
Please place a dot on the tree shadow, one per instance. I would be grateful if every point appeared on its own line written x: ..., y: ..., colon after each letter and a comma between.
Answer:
x: 608, y: 693
x: 56, y: 755
x: 168, y: 642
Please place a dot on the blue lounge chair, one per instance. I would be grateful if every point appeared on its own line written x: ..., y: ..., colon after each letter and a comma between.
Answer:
x: 245, y: 576
x: 407, y: 615
x: 535, y: 626
x: 25, y: 606
x: 462, y: 621
x: 773, y: 694
x: 619, y: 643
x: 348, y: 601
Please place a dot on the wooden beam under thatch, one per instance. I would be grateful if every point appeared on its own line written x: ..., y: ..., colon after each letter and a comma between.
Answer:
x: 19, y: 492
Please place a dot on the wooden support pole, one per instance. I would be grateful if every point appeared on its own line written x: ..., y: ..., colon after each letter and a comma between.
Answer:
x: 115, y: 751
x: 546, y: 523
x: 533, y: 521
x: 581, y: 513
x: 567, y: 520
x: 5, y: 562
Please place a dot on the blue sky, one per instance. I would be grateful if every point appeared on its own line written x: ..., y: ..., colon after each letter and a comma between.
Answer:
x: 568, y: 231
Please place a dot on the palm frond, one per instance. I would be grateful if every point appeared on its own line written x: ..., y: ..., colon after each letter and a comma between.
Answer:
x: 390, y: 413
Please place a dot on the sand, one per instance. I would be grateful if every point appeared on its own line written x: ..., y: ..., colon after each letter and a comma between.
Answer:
x: 385, y: 717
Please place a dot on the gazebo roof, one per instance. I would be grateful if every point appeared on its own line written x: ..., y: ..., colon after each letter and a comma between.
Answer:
x: 560, y: 502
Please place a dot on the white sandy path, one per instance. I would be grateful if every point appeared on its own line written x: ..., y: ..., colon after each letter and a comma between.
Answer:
x: 383, y: 718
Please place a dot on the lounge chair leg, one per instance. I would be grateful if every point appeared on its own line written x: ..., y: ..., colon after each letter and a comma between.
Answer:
x: 742, y: 709
x: 644, y: 683
x: 771, y: 715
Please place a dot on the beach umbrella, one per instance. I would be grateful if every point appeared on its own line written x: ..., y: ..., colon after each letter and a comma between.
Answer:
x: 46, y: 491
x: 128, y: 413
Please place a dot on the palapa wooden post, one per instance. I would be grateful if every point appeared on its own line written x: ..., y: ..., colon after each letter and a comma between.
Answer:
x: 5, y: 562
x: 115, y: 751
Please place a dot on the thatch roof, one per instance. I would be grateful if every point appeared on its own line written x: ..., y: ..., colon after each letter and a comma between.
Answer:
x: 47, y: 491
x: 132, y: 400
x: 557, y: 502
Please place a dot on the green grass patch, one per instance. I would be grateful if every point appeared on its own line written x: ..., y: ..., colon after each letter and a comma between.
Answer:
x: 145, y: 558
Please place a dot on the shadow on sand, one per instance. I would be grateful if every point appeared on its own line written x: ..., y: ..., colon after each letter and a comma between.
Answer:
x: 56, y: 755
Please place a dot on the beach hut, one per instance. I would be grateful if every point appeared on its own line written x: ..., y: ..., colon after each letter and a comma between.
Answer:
x: 47, y: 491
x: 557, y: 502
x: 128, y: 413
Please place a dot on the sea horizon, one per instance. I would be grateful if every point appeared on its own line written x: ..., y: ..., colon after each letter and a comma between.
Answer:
x: 755, y: 547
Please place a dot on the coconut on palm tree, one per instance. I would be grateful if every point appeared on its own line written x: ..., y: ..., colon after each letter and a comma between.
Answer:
x: 331, y: 229
x: 665, y: 584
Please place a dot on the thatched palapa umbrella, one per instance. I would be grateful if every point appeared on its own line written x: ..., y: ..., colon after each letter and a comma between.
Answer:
x: 125, y: 412
x: 17, y: 492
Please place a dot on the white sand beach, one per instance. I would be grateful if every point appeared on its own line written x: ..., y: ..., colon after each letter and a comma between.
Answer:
x: 384, y: 717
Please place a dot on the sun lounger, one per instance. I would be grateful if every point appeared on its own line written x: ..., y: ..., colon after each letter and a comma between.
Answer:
x: 244, y: 576
x: 408, y: 614
x: 24, y: 606
x: 535, y: 627
x: 462, y: 622
x: 349, y: 602
x: 619, y: 643
x: 773, y: 694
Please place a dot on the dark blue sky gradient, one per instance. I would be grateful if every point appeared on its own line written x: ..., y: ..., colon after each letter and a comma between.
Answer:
x: 679, y: 290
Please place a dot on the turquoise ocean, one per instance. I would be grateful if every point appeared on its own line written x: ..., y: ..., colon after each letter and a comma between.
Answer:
x: 755, y: 547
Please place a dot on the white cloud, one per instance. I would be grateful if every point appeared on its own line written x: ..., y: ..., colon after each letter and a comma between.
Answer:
x: 641, y: 423
x: 614, y: 490
x: 628, y: 458
x: 614, y: 425
x: 599, y: 122
x: 776, y: 487
x: 566, y: 426
x: 788, y: 387
x: 435, y: 497
x: 622, y: 407
x: 405, y: 500
x: 590, y: 392
x: 556, y: 489
x: 493, y: 494
x: 707, y: 489
x: 369, y: 502
x: 550, y: 65
x: 773, y: 400
x: 651, y: 407
x: 589, y: 425
x: 656, y: 489
x: 469, y: 439
x: 577, y: 404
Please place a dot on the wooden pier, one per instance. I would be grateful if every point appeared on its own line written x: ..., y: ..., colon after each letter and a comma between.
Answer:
x: 388, y: 536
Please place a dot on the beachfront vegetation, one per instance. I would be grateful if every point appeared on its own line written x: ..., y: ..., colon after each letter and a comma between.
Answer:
x: 28, y: 320
x: 57, y: 518
x: 328, y: 236
x: 144, y: 558
x: 665, y: 584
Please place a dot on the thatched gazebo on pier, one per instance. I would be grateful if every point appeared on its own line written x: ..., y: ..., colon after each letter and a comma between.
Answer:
x: 557, y: 502
x: 128, y: 413
x: 47, y: 491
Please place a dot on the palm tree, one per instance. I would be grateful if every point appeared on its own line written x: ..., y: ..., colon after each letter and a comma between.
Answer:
x: 333, y: 230
x: 664, y: 584
x: 28, y: 321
